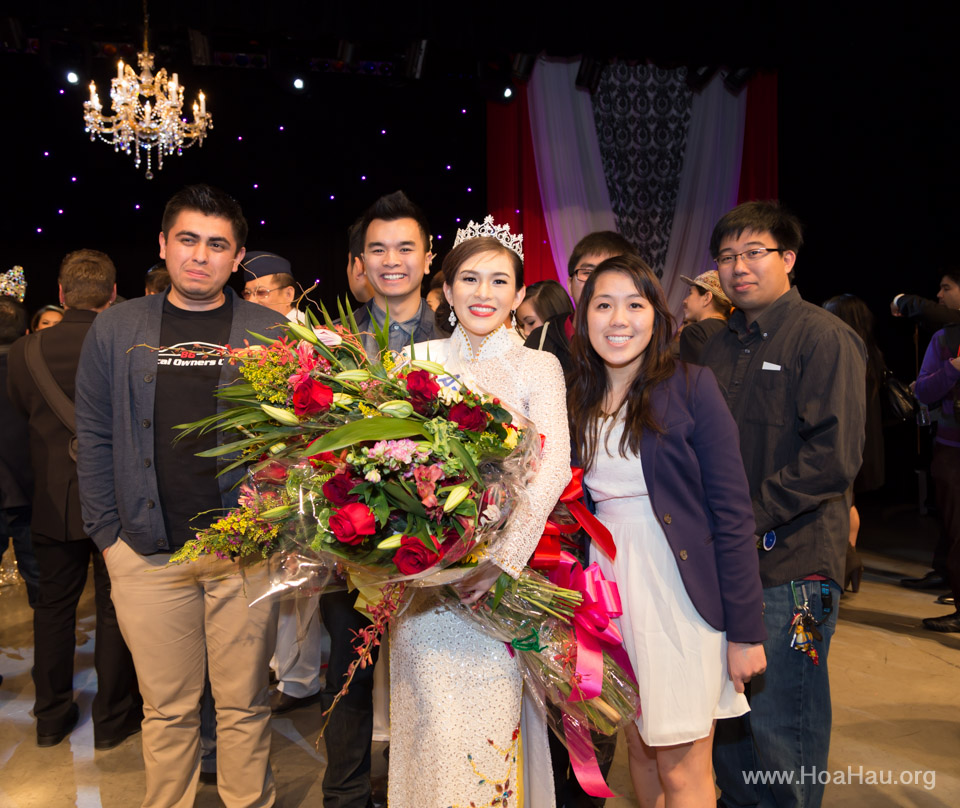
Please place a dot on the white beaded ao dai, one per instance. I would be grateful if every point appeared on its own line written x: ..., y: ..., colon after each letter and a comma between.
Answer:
x: 455, y: 699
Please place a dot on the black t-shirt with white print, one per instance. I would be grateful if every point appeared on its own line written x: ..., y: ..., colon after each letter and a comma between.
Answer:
x: 188, y: 371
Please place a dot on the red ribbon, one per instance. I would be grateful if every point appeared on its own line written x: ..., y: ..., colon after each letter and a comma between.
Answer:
x: 547, y: 554
x: 583, y: 758
x: 592, y: 621
x: 595, y: 632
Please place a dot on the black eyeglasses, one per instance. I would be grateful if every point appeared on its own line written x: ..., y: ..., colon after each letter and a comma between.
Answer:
x: 750, y: 256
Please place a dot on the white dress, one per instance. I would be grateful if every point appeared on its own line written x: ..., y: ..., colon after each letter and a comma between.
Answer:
x: 455, y: 698
x: 680, y: 659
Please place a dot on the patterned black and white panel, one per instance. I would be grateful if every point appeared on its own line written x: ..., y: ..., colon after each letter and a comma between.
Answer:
x: 642, y: 113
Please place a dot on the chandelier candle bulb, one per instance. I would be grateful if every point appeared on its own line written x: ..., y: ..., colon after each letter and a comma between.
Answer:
x: 203, y: 105
x: 120, y: 70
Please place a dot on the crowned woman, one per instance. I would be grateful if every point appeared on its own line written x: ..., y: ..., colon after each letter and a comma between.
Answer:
x: 457, y: 736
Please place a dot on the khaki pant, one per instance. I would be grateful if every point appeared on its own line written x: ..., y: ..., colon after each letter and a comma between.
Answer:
x: 173, y: 617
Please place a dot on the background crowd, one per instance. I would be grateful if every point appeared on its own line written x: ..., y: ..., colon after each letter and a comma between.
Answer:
x: 87, y: 474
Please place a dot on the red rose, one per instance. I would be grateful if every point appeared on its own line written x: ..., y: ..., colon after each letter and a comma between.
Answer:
x: 352, y: 522
x: 422, y: 383
x: 324, y: 457
x: 413, y: 556
x: 337, y: 489
x: 423, y: 389
x: 467, y: 417
x: 312, y: 397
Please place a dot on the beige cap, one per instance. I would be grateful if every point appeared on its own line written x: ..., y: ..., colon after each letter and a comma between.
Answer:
x: 710, y: 282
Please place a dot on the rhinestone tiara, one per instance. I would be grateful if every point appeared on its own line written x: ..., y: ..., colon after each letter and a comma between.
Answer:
x: 13, y: 283
x: 500, y: 232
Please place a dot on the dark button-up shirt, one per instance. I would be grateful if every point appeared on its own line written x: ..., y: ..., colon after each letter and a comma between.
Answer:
x: 420, y: 328
x: 794, y: 381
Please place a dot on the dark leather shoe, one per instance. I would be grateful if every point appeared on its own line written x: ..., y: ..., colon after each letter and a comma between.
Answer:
x: 281, y: 703
x: 949, y: 622
x: 53, y: 738
x: 947, y: 600
x: 932, y: 580
x: 103, y: 744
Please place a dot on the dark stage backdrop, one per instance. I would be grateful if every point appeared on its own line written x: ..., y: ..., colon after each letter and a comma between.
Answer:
x: 344, y: 141
x: 868, y: 161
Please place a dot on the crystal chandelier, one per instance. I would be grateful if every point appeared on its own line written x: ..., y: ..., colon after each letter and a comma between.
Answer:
x: 156, y: 123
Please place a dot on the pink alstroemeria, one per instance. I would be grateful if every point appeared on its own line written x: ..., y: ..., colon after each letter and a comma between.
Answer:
x: 307, y: 360
x: 426, y: 477
x: 247, y: 497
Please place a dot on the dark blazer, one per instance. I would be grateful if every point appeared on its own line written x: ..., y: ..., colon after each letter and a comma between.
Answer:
x: 699, y: 492
x: 931, y: 314
x: 16, y: 476
x: 56, y: 498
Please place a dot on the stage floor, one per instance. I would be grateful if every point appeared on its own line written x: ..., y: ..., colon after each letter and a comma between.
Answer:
x: 894, y: 687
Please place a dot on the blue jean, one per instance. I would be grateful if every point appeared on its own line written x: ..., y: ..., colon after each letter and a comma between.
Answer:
x: 788, y: 727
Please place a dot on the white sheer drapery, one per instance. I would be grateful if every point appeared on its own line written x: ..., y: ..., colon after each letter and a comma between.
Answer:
x: 569, y: 166
x: 708, y: 184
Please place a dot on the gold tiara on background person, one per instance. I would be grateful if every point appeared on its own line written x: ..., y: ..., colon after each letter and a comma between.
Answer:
x: 500, y: 232
x: 13, y: 283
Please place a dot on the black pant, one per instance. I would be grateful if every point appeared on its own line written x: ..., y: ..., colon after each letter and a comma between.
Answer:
x: 15, y: 524
x: 569, y: 793
x: 346, y: 782
x: 945, y: 470
x: 63, y: 572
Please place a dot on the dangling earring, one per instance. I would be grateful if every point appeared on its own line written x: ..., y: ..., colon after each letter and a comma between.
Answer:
x: 513, y: 319
x: 452, y: 319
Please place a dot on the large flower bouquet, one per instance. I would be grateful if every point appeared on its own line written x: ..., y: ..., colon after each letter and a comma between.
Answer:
x: 389, y: 474
x: 386, y: 468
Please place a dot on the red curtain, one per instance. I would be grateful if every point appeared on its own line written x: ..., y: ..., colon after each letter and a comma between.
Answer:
x: 758, y: 169
x: 513, y: 191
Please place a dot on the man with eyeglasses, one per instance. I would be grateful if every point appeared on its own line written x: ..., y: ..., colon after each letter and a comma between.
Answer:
x: 270, y: 283
x: 297, y: 659
x: 793, y: 376
x: 592, y: 250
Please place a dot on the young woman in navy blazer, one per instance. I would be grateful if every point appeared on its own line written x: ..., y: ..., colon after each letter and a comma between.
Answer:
x: 662, y: 457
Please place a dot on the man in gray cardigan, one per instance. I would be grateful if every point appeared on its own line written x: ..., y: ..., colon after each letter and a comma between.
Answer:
x: 146, y: 366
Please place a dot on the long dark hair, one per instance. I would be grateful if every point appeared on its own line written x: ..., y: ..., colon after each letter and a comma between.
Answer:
x: 856, y: 314
x: 589, y: 380
x: 548, y: 299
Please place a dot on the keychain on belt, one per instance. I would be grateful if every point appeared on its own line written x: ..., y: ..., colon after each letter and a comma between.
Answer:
x: 804, y: 628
